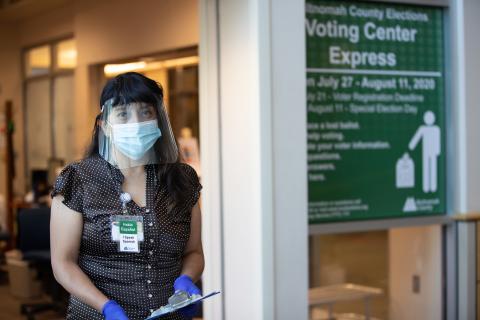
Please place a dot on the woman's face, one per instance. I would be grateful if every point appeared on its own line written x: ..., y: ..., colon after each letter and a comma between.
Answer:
x: 132, y: 113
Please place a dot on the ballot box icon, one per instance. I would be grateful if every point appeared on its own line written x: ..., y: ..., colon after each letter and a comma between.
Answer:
x: 405, y: 172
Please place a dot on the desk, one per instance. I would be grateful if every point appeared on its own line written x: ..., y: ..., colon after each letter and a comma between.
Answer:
x: 329, y: 295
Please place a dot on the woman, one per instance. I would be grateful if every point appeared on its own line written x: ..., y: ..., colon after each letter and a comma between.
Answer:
x: 125, y: 224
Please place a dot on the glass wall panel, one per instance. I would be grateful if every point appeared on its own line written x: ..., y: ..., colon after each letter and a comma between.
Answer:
x: 183, y: 98
x: 63, y: 117
x: 37, y: 61
x: 393, y: 274
x: 65, y: 54
x: 38, y: 131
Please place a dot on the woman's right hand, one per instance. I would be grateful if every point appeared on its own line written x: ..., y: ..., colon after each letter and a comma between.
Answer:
x: 112, y: 311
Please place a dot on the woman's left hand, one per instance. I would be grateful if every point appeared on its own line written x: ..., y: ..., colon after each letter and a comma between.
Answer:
x: 186, y: 284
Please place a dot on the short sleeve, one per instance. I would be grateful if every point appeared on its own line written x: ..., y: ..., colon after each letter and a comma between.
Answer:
x: 195, y: 186
x: 69, y: 185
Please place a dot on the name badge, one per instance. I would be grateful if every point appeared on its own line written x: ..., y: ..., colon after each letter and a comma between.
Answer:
x: 128, y: 236
x: 128, y: 232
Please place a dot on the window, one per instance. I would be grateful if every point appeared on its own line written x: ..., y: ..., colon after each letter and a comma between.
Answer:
x: 48, y: 94
x: 65, y: 55
x: 38, y: 61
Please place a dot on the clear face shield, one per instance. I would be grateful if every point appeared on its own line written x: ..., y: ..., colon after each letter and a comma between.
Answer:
x: 136, y: 134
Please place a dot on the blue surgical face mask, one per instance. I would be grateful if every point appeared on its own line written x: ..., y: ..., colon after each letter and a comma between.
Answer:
x: 135, y: 139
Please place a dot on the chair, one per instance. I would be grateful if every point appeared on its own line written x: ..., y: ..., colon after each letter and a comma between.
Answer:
x: 34, y: 243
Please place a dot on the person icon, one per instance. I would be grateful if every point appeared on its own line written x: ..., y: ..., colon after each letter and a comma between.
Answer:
x: 431, y: 148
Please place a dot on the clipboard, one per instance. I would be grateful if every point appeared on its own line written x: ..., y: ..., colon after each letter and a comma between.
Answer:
x: 169, y: 309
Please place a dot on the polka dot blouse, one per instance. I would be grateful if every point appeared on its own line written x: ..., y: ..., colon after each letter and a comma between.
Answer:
x: 139, y: 282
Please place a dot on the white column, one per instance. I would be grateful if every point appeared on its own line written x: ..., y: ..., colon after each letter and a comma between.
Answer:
x: 210, y: 159
x: 252, y: 88
x: 244, y: 191
x: 466, y: 115
x: 471, y: 102
x: 289, y: 159
x: 466, y: 102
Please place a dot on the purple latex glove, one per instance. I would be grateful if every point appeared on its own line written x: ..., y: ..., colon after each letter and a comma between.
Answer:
x: 186, y: 284
x: 112, y: 311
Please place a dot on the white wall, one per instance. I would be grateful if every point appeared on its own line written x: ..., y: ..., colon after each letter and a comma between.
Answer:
x: 415, y: 251
x: 46, y: 27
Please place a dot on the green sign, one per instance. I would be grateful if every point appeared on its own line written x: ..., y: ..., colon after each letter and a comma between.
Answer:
x: 376, y: 110
x: 128, y: 227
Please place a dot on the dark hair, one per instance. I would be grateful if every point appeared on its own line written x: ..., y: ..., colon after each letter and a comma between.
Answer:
x: 134, y: 87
